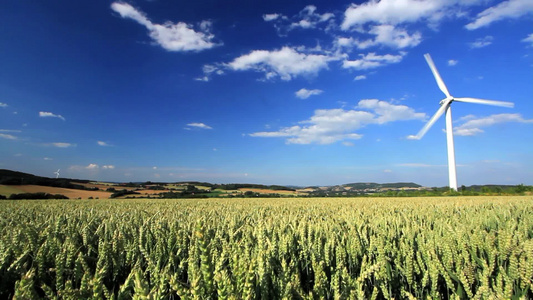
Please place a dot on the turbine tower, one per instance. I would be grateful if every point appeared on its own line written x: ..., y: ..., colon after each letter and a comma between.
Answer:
x: 445, y: 106
x: 57, y: 173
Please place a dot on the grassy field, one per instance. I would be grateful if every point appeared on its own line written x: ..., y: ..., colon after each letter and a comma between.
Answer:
x: 312, y: 248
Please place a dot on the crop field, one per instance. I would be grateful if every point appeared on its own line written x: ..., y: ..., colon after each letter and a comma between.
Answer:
x: 312, y: 248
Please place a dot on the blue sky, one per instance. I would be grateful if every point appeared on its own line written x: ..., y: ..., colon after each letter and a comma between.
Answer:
x: 273, y: 92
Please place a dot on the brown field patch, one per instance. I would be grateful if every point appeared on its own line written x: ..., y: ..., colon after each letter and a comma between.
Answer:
x: 71, y: 193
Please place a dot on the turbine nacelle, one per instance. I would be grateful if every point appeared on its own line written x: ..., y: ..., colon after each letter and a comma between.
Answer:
x: 444, y: 101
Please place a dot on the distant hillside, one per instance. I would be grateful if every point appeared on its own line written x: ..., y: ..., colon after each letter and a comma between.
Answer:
x: 8, y: 177
x: 373, y: 185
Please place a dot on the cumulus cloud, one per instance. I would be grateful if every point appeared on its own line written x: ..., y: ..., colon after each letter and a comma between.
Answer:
x: 418, y: 165
x: 372, y: 60
x: 387, y: 112
x: 108, y: 167
x: 103, y: 144
x: 199, y: 125
x: 7, y: 136
x: 3, y: 104
x: 63, y: 145
x: 44, y: 114
x: 285, y: 63
x: 510, y: 9
x: 452, y: 62
x: 307, y: 18
x: 208, y: 70
x: 528, y: 39
x: 270, y: 17
x: 170, y: 36
x: 391, y: 12
x: 384, y: 35
x: 92, y: 167
x: 360, y: 77
x: 473, y: 125
x: 482, y: 42
x: 388, y: 20
x: 328, y: 126
x: 305, y: 93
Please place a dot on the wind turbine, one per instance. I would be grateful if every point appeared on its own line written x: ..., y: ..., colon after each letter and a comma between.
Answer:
x: 57, y: 173
x: 445, y: 106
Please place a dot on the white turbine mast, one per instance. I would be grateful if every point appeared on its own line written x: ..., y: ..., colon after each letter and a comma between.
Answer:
x: 57, y: 173
x: 445, y: 106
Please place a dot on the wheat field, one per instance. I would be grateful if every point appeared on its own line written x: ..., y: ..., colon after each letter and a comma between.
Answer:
x: 297, y: 248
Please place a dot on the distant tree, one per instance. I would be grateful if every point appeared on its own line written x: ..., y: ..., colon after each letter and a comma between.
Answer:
x: 33, y: 196
x: 498, y: 190
x: 520, y: 189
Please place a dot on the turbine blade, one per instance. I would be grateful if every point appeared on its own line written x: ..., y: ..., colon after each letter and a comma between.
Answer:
x: 441, y: 84
x: 487, y: 102
x: 430, y: 123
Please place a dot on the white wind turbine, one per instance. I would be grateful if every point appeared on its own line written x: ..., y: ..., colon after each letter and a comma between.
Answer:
x: 445, y: 107
x: 57, y: 173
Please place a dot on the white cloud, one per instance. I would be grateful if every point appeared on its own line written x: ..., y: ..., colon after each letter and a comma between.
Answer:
x: 473, y: 125
x: 510, y: 9
x: 482, y: 42
x: 285, y: 63
x: 388, y: 112
x: 328, y: 126
x: 103, y: 144
x: 529, y: 39
x: 305, y: 93
x: 3, y: 104
x: 390, y: 36
x: 108, y: 167
x: 208, y: 70
x: 7, y: 136
x: 63, y: 145
x: 47, y: 158
x: 345, y: 43
x: 371, y: 60
x: 270, y: 17
x: 44, y: 114
x: 452, y: 62
x: 397, y: 12
x: 92, y: 167
x: 418, y: 165
x: 360, y: 77
x: 199, y: 125
x: 171, y: 36
x: 307, y: 18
